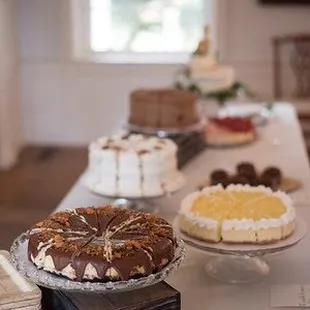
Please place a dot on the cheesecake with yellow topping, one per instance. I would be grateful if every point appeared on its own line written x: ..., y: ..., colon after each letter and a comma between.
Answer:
x: 237, y: 214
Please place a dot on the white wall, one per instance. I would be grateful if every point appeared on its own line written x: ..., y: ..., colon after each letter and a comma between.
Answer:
x: 67, y: 102
x: 74, y: 103
x: 246, y: 44
x: 10, y: 135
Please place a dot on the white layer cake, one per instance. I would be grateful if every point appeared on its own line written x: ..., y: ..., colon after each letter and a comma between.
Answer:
x: 133, y: 165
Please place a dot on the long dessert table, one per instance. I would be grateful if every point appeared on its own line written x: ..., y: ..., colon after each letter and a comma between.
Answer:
x: 280, y: 143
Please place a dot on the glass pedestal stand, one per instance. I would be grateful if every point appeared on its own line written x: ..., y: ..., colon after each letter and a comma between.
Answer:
x: 140, y: 204
x: 241, y: 263
x: 172, y: 185
x: 237, y: 269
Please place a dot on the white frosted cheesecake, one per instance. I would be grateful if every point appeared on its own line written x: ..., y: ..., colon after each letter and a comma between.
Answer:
x: 133, y: 165
x: 237, y: 214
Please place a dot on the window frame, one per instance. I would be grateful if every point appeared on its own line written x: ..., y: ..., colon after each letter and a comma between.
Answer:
x: 81, y: 49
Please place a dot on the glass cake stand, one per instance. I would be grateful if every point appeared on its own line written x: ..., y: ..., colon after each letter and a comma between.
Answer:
x: 167, y: 132
x: 19, y: 258
x: 241, y: 263
x: 133, y: 202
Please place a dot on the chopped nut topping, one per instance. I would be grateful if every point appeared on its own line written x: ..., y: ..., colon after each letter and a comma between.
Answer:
x: 117, y: 254
x: 40, y: 224
x: 143, y: 152
x: 122, y: 235
x: 59, y: 241
x: 90, y: 211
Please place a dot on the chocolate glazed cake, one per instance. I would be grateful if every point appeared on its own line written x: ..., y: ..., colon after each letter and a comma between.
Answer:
x: 101, y: 244
x: 163, y: 108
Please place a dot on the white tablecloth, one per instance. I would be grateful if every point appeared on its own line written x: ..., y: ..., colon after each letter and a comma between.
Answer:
x: 280, y: 143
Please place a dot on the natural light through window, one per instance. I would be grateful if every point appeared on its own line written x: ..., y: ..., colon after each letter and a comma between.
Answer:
x: 146, y: 25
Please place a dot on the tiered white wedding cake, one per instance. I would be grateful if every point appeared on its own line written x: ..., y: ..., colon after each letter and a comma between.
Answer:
x: 209, y: 75
x: 205, y: 72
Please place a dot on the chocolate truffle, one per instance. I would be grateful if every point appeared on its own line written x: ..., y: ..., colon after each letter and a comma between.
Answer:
x: 269, y: 182
x: 252, y: 180
x: 219, y: 177
x: 238, y: 179
x: 246, y: 169
x: 272, y: 172
x: 271, y: 177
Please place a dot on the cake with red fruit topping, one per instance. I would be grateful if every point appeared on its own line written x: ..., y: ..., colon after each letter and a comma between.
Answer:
x: 230, y: 131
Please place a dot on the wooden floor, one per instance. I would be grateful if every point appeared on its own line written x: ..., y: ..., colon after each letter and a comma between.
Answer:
x: 35, y: 186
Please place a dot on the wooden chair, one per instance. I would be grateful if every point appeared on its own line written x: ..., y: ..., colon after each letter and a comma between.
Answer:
x: 299, y: 60
x: 299, y: 63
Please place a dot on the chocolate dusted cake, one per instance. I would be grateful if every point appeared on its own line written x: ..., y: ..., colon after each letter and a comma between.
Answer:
x: 163, y: 108
x: 102, y: 244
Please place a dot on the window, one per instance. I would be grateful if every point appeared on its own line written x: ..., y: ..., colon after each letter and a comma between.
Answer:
x: 140, y: 27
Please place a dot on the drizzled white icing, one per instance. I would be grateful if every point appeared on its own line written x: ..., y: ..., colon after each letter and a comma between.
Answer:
x: 39, y: 260
x: 83, y: 219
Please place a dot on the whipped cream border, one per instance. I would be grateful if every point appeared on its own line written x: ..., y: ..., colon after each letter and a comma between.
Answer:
x: 239, y: 224
x: 98, y: 144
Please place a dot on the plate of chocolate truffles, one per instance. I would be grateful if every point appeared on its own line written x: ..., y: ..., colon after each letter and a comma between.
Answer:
x: 246, y: 173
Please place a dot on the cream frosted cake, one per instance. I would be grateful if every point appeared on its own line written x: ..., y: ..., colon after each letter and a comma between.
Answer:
x: 133, y: 166
x: 237, y: 214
